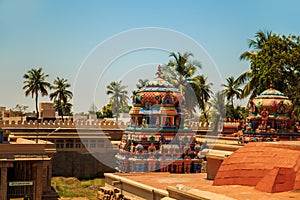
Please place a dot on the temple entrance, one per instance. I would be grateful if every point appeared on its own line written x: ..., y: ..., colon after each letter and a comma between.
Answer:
x: 20, y: 184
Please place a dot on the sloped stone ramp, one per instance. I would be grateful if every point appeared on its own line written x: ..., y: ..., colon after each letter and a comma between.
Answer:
x: 269, y: 167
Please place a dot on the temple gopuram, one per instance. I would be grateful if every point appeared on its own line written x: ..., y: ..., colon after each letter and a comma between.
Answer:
x: 157, y: 139
x: 271, y: 114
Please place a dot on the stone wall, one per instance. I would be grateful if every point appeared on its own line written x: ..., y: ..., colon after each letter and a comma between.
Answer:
x: 103, y: 124
x: 66, y: 124
x: 80, y: 165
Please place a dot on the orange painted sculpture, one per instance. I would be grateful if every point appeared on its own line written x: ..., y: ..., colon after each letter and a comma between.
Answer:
x: 270, y: 113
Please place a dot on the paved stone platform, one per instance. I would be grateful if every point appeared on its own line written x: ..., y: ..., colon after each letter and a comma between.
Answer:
x: 198, y: 181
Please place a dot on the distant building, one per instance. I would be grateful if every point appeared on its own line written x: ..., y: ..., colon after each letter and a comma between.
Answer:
x: 4, y: 113
x: 26, y: 168
x: 47, y: 111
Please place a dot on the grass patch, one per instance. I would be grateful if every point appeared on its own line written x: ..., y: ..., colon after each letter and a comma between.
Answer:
x: 72, y: 187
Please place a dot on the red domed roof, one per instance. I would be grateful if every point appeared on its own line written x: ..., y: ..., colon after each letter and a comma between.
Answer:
x: 155, y: 91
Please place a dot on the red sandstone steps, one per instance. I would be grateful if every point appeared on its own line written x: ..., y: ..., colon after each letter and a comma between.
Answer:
x: 270, y: 167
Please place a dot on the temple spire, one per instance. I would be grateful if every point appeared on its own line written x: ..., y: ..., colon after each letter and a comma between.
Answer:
x: 158, y: 73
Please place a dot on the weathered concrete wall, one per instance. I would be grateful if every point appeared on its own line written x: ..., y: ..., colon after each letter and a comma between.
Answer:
x: 80, y: 165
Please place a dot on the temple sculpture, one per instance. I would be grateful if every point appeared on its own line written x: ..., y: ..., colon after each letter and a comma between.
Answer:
x: 270, y: 113
x: 157, y: 138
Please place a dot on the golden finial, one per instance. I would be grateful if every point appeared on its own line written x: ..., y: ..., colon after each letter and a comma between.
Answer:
x: 271, y: 85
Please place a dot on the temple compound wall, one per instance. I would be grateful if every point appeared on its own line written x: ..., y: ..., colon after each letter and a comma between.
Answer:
x: 81, y: 145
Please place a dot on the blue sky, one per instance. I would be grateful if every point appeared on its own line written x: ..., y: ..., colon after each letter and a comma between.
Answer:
x: 60, y: 35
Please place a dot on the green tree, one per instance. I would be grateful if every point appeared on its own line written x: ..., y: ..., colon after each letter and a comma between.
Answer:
x: 205, y: 116
x: 231, y: 90
x: 118, y: 97
x: 276, y: 60
x: 251, y: 77
x: 35, y: 83
x: 107, y: 111
x: 61, y: 95
x: 141, y: 83
x: 203, y: 93
x: 238, y: 112
x: 66, y: 108
x: 179, y: 70
x: 218, y: 111
x: 18, y: 111
x: 99, y: 114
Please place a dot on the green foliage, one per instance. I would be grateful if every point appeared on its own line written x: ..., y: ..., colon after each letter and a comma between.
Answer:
x: 236, y: 113
x: 63, y: 109
x: 125, y: 108
x: 35, y: 83
x: 202, y: 90
x: 273, y: 58
x: 231, y: 90
x: 18, y: 111
x: 61, y: 96
x: 72, y: 187
x: 141, y: 83
x: 107, y: 111
x: 218, y: 111
x: 99, y: 114
x: 181, y: 73
x: 118, y: 97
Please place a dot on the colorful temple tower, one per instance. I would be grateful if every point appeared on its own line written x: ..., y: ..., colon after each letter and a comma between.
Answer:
x: 271, y: 112
x: 156, y: 133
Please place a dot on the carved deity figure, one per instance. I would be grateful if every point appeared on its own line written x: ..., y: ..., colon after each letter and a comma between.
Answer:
x: 264, y: 115
x: 281, y: 107
x: 167, y: 99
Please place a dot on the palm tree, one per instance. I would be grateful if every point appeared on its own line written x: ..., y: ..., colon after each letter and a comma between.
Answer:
x: 141, y: 83
x: 35, y: 83
x: 218, y: 110
x: 251, y: 78
x: 66, y: 108
x: 119, y: 96
x: 231, y: 90
x: 178, y: 71
x: 203, y: 92
x: 61, y: 94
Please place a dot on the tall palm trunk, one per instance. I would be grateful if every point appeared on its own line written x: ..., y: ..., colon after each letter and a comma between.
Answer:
x: 206, y: 118
x: 36, y: 104
x: 61, y: 111
x: 117, y: 111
